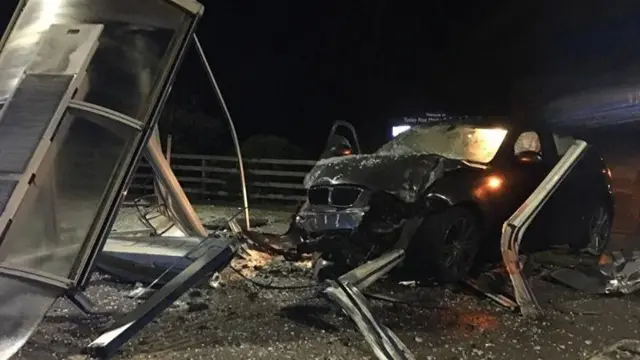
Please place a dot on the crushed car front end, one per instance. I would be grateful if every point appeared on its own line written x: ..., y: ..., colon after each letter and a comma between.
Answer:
x: 350, y: 224
x: 357, y: 205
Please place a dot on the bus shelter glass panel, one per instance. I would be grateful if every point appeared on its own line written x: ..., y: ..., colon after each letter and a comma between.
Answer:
x: 55, y: 219
x: 23, y: 305
x: 137, y: 46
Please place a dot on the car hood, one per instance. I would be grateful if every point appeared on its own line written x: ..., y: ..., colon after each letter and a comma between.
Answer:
x: 403, y: 175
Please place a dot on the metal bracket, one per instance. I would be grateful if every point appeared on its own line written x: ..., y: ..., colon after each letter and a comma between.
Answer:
x: 218, y: 255
x: 370, y: 272
x: 346, y: 293
x: 80, y: 301
x: 515, y: 227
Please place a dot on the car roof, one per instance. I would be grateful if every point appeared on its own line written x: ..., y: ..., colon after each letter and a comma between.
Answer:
x: 506, y: 122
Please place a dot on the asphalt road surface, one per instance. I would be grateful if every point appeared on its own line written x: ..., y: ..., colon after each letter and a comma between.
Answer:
x: 240, y: 320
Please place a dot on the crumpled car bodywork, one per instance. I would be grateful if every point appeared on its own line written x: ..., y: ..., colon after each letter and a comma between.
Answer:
x: 360, y: 206
x: 402, y: 175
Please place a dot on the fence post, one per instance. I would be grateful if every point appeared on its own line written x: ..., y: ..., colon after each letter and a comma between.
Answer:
x: 165, y: 194
x: 203, y: 177
x: 157, y: 187
x: 168, y: 155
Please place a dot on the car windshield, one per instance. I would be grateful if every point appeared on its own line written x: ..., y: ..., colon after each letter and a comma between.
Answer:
x: 461, y: 142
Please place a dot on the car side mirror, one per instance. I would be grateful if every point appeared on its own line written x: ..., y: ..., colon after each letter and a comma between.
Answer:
x: 529, y: 157
x: 338, y: 146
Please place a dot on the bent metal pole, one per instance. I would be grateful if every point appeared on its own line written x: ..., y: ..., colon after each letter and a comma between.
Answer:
x: 232, y: 127
x: 187, y: 216
x: 514, y: 228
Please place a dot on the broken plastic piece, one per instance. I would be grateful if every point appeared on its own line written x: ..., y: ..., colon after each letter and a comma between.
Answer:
x: 215, y: 280
x: 140, y: 292
x: 622, y: 276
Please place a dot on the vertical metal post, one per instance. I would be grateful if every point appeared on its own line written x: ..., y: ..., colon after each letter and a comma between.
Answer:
x: 187, y: 216
x: 166, y: 198
x: 203, y: 179
x: 159, y: 191
x: 232, y: 127
x: 168, y: 151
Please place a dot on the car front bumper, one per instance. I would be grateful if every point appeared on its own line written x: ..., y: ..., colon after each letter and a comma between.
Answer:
x: 324, y: 221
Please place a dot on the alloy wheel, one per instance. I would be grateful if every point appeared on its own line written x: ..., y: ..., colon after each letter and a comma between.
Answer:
x: 458, y: 246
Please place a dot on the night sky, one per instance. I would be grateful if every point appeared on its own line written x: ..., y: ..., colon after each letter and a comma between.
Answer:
x: 290, y: 68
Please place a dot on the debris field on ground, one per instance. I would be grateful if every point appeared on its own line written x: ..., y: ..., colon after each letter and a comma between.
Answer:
x: 240, y: 320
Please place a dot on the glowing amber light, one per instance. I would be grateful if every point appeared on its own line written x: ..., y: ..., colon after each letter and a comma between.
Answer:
x: 489, y: 186
x: 494, y: 182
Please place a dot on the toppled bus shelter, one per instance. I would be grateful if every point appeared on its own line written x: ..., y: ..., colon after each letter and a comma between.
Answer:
x: 82, y: 83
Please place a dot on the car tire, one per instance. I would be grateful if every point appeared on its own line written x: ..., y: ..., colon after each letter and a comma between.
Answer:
x: 445, y: 245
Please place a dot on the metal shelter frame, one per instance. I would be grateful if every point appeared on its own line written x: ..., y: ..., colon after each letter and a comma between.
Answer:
x: 110, y: 203
x: 217, y: 252
x: 103, y: 223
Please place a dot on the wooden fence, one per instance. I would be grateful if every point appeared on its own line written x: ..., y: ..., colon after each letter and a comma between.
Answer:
x: 279, y: 181
x: 217, y: 178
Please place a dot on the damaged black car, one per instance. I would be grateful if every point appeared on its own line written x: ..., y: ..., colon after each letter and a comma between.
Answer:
x: 442, y: 192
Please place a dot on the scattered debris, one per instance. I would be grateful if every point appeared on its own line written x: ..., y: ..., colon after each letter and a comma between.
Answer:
x: 497, y: 297
x: 252, y: 262
x: 158, y: 218
x: 221, y: 223
x: 618, y: 274
x: 625, y: 349
x: 215, y: 281
x: 140, y: 292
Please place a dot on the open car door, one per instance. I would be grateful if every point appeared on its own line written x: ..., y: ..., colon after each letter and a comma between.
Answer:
x: 342, y: 140
x: 84, y: 83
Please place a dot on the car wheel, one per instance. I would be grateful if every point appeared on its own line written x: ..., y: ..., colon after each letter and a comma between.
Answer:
x: 446, y: 245
x: 599, y: 232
